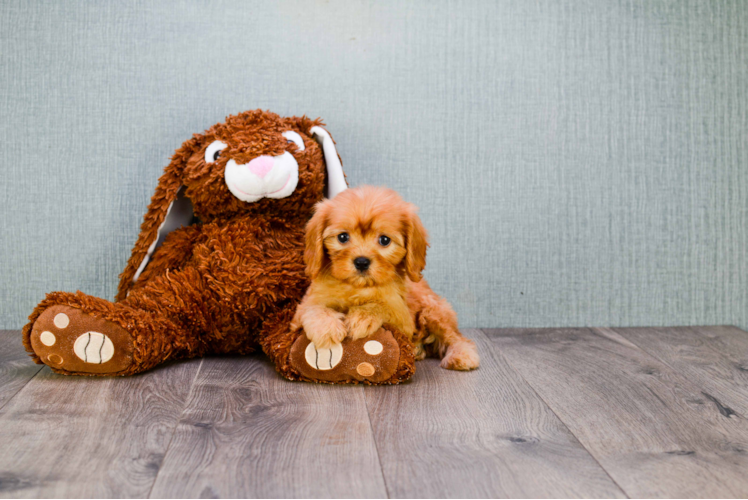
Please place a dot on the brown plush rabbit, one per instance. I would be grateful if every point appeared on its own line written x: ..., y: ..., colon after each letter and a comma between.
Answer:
x: 218, y: 265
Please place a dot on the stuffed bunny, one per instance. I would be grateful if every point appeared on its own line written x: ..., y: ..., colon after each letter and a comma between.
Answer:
x: 218, y: 265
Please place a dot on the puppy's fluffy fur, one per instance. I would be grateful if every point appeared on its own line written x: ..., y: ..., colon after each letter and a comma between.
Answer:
x: 375, y: 225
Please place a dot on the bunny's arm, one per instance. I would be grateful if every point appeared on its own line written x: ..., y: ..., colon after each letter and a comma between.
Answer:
x: 173, y: 254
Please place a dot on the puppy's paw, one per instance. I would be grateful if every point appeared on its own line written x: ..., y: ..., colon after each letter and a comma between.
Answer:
x: 326, y: 329
x: 361, y: 325
x: 419, y: 352
x: 462, y: 355
x: 324, y: 339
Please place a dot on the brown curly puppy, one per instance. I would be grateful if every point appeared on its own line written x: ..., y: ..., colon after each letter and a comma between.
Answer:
x: 365, y: 251
x: 218, y: 266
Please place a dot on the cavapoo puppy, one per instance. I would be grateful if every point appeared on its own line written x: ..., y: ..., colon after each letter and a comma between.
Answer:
x: 365, y: 251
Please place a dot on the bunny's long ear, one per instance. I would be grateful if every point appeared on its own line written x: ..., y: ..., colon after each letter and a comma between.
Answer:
x: 168, y: 210
x: 335, y: 177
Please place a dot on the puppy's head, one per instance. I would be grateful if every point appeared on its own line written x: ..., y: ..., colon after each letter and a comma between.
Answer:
x: 367, y: 236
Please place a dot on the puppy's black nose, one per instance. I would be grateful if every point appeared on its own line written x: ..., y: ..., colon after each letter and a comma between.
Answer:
x: 361, y: 263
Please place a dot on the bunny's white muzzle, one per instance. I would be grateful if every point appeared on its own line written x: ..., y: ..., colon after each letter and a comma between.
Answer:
x: 263, y: 177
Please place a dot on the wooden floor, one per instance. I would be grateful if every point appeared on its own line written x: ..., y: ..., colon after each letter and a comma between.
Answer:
x: 600, y: 412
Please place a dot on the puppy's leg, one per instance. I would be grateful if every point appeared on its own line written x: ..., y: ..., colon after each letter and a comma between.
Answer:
x: 419, y: 351
x: 322, y: 325
x: 437, y: 317
x: 364, y: 320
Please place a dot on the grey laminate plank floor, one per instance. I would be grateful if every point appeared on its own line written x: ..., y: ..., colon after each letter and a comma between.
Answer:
x: 246, y: 432
x: 550, y: 413
x: 479, y: 434
x: 652, y: 429
x: 90, y: 437
x: 722, y: 380
x: 15, y: 368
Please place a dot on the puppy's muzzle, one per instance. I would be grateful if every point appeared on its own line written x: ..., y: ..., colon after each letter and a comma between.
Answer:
x: 361, y: 263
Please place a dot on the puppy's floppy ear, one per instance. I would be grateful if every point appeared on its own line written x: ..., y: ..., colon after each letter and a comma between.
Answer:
x: 416, y: 243
x: 166, y: 201
x: 314, y: 251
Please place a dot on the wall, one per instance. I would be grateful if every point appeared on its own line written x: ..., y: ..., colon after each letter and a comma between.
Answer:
x: 577, y: 163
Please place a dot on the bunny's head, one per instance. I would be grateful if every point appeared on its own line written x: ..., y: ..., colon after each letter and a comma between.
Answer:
x: 255, y: 164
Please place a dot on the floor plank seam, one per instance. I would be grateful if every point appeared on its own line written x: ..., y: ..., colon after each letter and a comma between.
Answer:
x: 724, y: 410
x: 376, y: 445
x: 21, y: 388
x: 176, y: 424
x: 697, y: 331
x: 509, y: 363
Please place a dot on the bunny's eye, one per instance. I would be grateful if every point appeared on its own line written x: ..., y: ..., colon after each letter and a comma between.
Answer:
x: 384, y: 240
x: 214, y: 151
x: 343, y: 237
x: 293, y: 137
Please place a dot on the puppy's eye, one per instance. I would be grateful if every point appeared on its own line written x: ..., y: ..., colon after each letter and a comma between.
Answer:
x: 213, y: 151
x: 384, y: 240
x: 343, y: 237
x: 293, y: 137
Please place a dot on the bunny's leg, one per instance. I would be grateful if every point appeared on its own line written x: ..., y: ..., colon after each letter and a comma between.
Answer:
x: 77, y: 334
x: 386, y: 357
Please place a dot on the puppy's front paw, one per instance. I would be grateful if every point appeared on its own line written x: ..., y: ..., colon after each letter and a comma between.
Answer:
x: 361, y: 325
x: 324, y: 330
x: 461, y: 355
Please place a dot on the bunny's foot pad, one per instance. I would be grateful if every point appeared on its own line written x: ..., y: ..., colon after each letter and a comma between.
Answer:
x: 72, y: 342
x: 373, y: 360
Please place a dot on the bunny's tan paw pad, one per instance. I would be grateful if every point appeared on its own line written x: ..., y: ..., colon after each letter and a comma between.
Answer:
x: 373, y: 359
x: 71, y: 341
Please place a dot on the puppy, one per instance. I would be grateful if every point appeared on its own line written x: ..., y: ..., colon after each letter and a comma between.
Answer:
x: 365, y: 251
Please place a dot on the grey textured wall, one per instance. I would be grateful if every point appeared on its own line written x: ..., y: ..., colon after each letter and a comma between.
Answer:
x: 577, y: 163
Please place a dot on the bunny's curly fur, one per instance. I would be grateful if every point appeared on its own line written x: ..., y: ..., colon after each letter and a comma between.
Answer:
x: 226, y: 284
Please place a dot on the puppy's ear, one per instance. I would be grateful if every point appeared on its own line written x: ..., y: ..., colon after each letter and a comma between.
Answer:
x: 416, y: 243
x: 314, y: 251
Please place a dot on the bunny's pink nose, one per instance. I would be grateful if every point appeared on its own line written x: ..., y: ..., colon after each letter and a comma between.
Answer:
x: 260, y: 166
